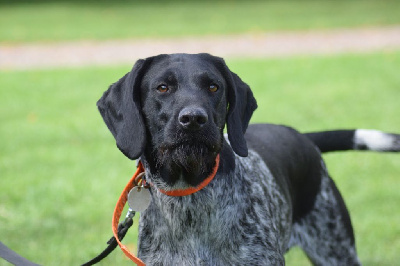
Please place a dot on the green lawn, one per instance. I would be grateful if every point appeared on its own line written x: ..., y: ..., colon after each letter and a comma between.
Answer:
x: 61, y: 173
x: 41, y: 20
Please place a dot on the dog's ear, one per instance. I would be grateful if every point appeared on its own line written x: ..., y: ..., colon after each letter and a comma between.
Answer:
x: 241, y: 107
x: 121, y: 110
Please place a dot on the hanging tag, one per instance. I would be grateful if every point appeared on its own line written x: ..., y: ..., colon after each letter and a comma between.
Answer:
x: 139, y: 198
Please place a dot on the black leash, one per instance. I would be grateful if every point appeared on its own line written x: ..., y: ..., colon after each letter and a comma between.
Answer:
x: 13, y: 258
x: 16, y: 259
x: 112, y: 243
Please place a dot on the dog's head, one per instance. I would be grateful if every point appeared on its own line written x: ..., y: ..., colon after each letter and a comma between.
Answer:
x: 173, y: 109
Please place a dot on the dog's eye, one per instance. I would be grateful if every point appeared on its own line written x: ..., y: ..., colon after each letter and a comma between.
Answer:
x: 213, y: 88
x: 162, y: 88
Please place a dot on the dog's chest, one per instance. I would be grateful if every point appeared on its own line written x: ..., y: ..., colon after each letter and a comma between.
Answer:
x: 242, y: 217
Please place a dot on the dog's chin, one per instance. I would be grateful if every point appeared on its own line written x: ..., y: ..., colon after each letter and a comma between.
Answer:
x: 190, y: 161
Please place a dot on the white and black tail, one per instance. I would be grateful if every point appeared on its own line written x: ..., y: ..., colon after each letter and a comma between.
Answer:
x: 356, y: 139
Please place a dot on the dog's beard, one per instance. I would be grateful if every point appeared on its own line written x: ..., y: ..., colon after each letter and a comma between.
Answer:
x: 193, y: 162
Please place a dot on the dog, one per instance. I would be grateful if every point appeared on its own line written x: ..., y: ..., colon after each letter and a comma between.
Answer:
x: 271, y: 190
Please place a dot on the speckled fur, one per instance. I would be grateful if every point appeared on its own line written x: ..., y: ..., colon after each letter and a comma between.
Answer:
x: 242, y: 218
x: 237, y: 219
x: 321, y: 233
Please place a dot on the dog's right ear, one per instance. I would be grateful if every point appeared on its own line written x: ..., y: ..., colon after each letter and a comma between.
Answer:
x: 121, y: 110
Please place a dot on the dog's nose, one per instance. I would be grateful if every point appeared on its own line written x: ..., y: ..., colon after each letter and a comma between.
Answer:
x: 192, y: 118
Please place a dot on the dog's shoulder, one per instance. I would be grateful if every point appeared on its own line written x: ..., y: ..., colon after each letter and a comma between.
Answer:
x: 293, y: 160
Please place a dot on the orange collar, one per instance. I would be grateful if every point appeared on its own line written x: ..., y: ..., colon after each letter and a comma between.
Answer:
x: 134, y: 182
x: 191, y: 190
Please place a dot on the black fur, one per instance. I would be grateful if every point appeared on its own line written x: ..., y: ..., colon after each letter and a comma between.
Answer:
x: 121, y: 111
x: 337, y: 140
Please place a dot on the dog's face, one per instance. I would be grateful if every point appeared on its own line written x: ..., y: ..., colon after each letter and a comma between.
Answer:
x: 172, y: 110
x: 184, y: 105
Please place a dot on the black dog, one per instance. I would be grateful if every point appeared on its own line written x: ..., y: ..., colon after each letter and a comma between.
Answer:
x: 271, y: 190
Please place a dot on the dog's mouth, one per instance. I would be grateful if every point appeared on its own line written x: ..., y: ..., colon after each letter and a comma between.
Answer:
x: 184, y: 145
x: 191, y: 160
x: 190, y: 145
x: 188, y: 155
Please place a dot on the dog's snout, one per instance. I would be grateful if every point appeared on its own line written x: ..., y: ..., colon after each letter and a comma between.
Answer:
x: 192, y: 118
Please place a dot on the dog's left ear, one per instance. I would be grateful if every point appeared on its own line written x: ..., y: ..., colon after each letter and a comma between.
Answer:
x: 241, y: 107
x: 121, y: 110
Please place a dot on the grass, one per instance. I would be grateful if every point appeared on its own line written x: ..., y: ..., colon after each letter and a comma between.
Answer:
x: 25, y: 21
x: 61, y: 173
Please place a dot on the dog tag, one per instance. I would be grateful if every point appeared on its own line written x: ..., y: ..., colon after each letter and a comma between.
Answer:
x: 139, y: 199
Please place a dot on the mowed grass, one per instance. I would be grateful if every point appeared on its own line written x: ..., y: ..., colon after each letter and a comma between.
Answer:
x: 61, y: 173
x: 30, y: 21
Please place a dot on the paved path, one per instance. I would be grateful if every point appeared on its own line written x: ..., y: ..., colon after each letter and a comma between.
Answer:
x: 81, y: 53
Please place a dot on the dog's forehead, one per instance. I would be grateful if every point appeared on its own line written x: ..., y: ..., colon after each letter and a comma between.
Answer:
x: 184, y: 65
